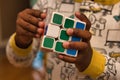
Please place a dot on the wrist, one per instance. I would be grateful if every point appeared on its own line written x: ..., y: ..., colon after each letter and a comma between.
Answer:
x: 85, y: 60
x: 22, y: 43
x: 17, y: 50
x: 96, y: 66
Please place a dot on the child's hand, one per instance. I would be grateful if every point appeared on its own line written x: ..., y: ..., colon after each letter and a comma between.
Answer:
x: 84, y: 49
x: 29, y: 24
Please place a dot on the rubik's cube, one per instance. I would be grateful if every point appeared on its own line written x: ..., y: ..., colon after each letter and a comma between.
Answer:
x: 55, y: 34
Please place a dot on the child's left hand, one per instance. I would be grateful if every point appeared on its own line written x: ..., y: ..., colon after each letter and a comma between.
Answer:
x: 84, y: 48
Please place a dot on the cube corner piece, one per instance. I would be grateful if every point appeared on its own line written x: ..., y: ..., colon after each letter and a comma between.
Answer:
x: 47, y: 43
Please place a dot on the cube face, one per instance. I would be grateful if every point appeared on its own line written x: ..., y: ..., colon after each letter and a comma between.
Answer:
x: 59, y: 48
x: 80, y: 25
x: 69, y: 23
x: 57, y: 19
x: 75, y: 38
x: 71, y: 52
x: 55, y: 35
x: 63, y: 35
x: 48, y: 42
x: 53, y: 30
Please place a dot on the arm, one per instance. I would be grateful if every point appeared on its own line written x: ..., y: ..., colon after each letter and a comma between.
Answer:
x: 89, y: 61
x: 20, y: 57
x: 24, y: 43
x: 111, y: 70
x: 102, y: 67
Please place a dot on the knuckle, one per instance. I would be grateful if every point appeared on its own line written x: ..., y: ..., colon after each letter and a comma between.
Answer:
x: 18, y: 21
x: 89, y: 35
x: 85, y: 46
x: 29, y: 18
x: 20, y: 14
x: 75, y: 32
x: 71, y: 45
x: 89, y: 23
x: 27, y: 25
x: 27, y: 10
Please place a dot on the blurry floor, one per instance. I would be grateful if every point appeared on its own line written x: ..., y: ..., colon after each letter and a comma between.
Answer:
x: 9, y: 72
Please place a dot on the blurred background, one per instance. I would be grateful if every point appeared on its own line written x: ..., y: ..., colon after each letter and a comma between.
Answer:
x: 8, y: 13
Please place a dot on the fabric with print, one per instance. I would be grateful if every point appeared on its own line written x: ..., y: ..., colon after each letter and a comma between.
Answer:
x: 105, y: 31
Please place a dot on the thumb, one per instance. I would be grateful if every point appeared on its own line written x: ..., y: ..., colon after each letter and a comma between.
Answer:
x: 67, y: 58
x: 83, y: 18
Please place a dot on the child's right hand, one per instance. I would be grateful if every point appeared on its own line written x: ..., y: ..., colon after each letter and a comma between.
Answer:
x: 29, y: 24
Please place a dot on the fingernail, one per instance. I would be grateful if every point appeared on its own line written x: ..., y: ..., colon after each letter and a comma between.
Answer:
x: 43, y: 15
x: 65, y: 44
x: 69, y: 31
x: 41, y: 24
x: 40, y: 31
x: 60, y: 56
x: 77, y: 13
x: 37, y: 35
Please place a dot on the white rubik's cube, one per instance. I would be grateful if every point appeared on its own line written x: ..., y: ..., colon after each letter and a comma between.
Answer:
x: 55, y: 34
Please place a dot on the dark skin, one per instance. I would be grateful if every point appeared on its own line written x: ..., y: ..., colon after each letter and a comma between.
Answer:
x: 30, y: 25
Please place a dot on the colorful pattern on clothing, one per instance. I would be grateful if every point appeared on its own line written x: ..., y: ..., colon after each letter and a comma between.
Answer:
x: 104, y: 19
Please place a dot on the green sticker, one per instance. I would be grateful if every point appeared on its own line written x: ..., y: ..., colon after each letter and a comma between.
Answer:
x: 59, y: 47
x: 48, y: 42
x: 69, y: 23
x: 57, y: 19
x: 63, y: 35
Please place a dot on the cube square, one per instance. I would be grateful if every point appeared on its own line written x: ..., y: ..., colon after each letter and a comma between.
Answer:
x: 80, y: 25
x: 71, y: 52
x: 53, y: 31
x: 59, y: 47
x: 73, y: 38
x: 63, y: 35
x: 57, y: 18
x: 68, y: 23
x: 48, y: 42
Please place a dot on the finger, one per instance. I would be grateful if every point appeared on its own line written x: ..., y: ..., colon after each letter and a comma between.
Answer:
x: 36, y: 13
x: 41, y: 24
x: 27, y: 26
x: 23, y: 37
x: 40, y: 31
x: 30, y: 19
x: 83, y: 18
x: 86, y: 35
x: 75, y: 45
x: 67, y: 58
x: 23, y: 32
